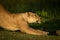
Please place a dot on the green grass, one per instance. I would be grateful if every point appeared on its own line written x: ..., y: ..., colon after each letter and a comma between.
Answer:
x: 8, y: 35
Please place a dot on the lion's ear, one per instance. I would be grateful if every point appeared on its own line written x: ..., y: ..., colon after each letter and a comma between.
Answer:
x: 27, y: 13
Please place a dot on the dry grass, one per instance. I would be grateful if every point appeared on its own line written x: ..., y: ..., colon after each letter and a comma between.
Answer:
x: 8, y: 35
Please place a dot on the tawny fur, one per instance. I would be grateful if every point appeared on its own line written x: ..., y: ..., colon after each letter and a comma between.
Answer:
x: 20, y: 22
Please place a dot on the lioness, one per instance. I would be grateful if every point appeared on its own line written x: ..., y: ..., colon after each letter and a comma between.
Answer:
x: 20, y: 21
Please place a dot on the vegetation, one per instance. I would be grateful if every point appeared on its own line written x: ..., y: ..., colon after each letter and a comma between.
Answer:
x: 48, y: 10
x: 7, y: 35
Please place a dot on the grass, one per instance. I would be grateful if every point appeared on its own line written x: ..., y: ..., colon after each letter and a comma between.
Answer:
x: 8, y: 35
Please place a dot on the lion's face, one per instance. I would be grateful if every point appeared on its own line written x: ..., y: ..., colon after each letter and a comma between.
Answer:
x: 32, y: 17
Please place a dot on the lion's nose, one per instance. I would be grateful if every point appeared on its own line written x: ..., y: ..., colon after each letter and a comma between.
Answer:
x: 38, y: 21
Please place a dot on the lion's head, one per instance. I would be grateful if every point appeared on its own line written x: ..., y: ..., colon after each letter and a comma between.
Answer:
x: 31, y: 17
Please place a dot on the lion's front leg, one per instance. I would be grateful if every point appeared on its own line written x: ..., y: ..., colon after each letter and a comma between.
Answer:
x: 26, y: 29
